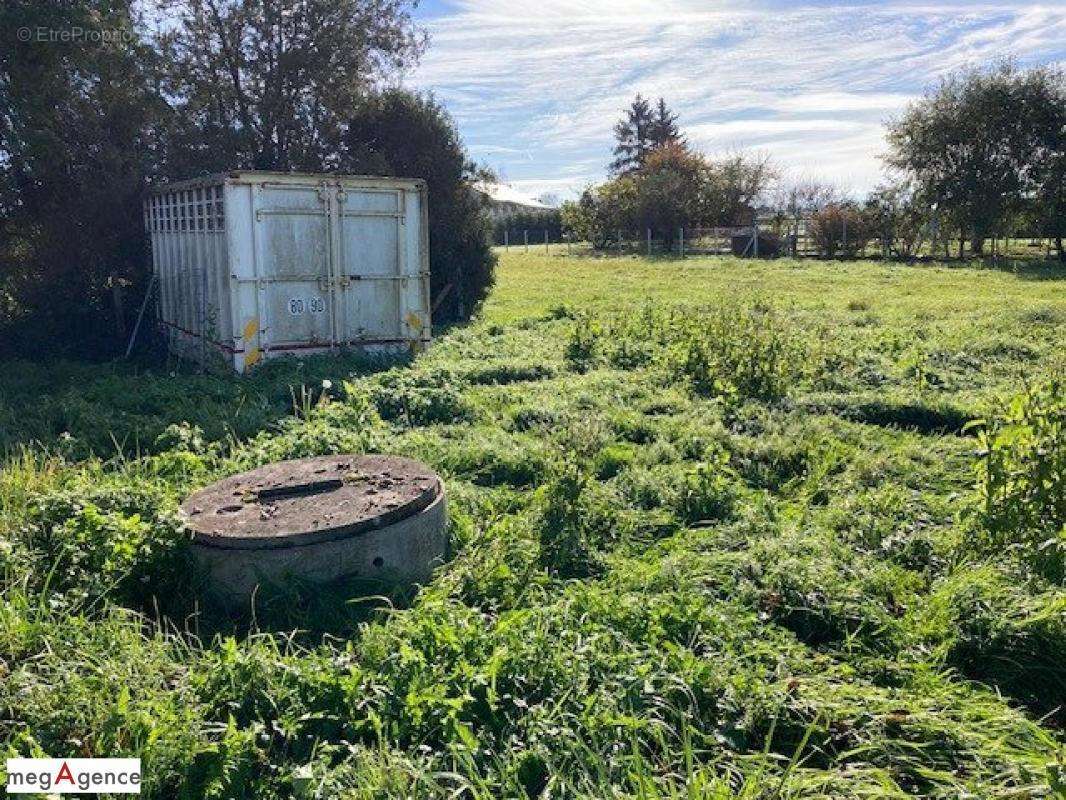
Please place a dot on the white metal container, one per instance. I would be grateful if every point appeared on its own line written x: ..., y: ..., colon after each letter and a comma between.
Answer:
x: 252, y: 265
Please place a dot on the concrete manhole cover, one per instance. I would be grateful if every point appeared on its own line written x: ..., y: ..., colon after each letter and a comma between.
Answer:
x: 321, y: 519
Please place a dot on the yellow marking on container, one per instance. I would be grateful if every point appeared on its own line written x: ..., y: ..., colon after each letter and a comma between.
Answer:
x: 252, y: 357
x: 414, y: 320
x: 251, y: 328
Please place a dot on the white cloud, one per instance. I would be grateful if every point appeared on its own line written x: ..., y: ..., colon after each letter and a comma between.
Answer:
x: 537, y: 88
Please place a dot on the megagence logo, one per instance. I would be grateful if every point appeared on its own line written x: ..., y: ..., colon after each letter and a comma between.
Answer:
x: 73, y: 775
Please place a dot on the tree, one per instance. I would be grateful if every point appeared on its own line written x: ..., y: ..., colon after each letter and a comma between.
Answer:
x: 633, y: 135
x: 601, y: 211
x: 675, y: 187
x: 797, y: 200
x: 670, y: 190
x: 899, y: 216
x: 734, y: 186
x: 1048, y: 175
x: 399, y: 133
x: 1050, y: 198
x: 272, y: 85
x: 77, y: 133
x: 642, y: 131
x: 664, y: 130
x: 969, y: 145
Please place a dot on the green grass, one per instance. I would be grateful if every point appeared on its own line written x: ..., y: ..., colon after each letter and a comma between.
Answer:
x: 717, y: 531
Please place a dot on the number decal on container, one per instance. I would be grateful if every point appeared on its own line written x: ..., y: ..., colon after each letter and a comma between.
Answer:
x: 298, y: 305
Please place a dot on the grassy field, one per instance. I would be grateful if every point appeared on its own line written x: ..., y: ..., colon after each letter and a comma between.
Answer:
x: 720, y: 528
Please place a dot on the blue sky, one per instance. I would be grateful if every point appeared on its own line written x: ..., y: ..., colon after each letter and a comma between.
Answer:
x: 537, y: 87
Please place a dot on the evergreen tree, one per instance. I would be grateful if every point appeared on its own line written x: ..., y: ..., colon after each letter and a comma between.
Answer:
x: 664, y: 128
x: 643, y: 130
x: 634, y: 134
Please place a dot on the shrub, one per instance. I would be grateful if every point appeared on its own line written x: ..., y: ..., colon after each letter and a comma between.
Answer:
x: 511, y: 229
x: 583, y: 345
x: 1021, y: 478
x: 840, y: 230
x: 898, y: 217
x: 601, y: 211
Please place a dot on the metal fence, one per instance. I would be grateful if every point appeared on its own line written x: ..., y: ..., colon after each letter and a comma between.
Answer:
x: 765, y: 239
x: 743, y: 241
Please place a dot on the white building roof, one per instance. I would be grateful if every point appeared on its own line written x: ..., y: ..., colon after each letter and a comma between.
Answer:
x: 505, y: 193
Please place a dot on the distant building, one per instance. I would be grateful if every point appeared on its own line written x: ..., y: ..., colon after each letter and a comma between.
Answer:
x: 505, y: 201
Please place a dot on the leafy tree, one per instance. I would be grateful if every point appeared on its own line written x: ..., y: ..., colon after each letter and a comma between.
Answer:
x: 272, y: 85
x: 1049, y: 168
x: 576, y: 217
x: 601, y: 211
x: 399, y: 133
x: 77, y: 132
x: 670, y: 190
x: 675, y: 187
x: 642, y: 130
x: 734, y: 185
x: 970, y: 145
x: 899, y: 217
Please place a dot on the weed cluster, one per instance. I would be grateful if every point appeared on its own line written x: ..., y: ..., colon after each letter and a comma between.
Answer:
x: 1021, y: 478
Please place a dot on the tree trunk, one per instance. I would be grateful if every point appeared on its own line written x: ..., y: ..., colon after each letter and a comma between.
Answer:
x: 962, y: 247
x: 977, y: 245
x: 1061, y: 250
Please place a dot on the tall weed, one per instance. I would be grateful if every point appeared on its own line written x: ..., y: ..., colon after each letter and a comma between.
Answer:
x: 1021, y: 479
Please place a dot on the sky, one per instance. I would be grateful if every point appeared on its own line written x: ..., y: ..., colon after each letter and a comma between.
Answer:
x: 536, y: 87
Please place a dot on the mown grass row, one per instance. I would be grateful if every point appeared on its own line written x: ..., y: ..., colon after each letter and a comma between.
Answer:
x: 742, y: 548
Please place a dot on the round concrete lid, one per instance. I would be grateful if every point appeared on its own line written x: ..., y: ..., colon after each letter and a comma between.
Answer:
x: 309, y: 500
